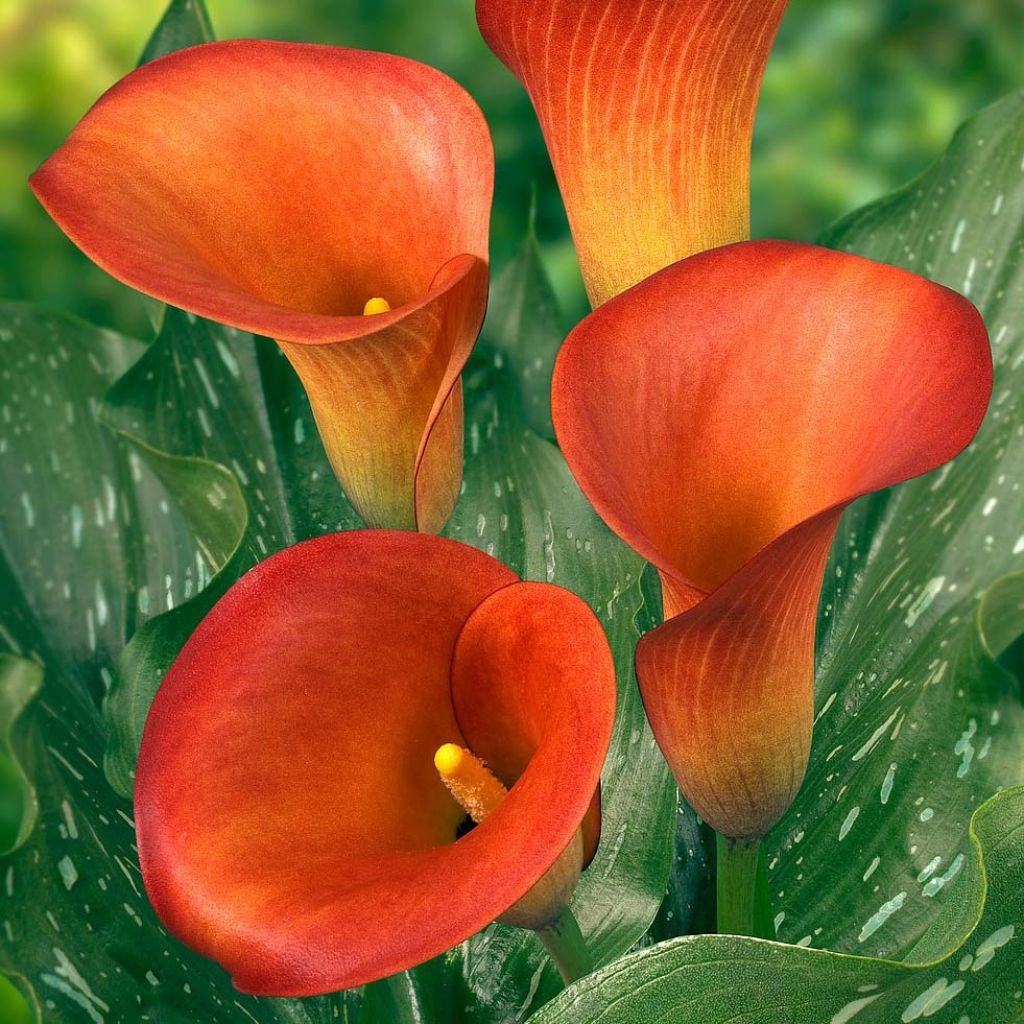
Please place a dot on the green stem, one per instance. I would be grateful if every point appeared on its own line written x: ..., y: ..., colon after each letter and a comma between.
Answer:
x: 742, y: 890
x: 567, y: 948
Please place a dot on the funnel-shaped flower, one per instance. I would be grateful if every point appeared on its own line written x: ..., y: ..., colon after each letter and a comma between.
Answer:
x: 292, y: 824
x: 278, y: 188
x: 720, y: 416
x: 648, y: 110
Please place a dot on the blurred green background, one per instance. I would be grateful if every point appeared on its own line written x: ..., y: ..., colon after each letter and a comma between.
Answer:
x: 860, y: 95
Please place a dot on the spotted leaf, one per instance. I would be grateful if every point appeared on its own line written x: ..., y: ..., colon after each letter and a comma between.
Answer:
x: 965, y: 968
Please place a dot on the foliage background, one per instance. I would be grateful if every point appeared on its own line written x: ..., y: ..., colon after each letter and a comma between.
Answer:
x: 859, y: 96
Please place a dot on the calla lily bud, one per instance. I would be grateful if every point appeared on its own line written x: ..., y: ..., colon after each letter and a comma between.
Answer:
x: 720, y: 416
x: 334, y: 200
x: 301, y: 816
x: 648, y: 111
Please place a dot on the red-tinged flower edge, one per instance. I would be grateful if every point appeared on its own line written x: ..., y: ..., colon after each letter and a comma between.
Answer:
x: 720, y: 416
x: 291, y: 823
x: 277, y: 187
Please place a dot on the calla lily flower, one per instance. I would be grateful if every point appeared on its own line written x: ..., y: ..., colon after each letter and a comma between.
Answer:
x: 292, y: 824
x: 720, y: 416
x: 648, y: 111
x: 285, y: 189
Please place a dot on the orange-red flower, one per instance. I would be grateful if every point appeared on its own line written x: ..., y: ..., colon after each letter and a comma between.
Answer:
x: 278, y: 188
x: 291, y: 821
x: 647, y: 109
x: 720, y: 416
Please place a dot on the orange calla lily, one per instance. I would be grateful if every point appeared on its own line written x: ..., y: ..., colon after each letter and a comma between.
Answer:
x: 648, y: 111
x: 720, y: 416
x: 284, y: 189
x: 291, y: 822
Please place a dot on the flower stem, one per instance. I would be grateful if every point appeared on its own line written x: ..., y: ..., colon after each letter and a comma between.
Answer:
x: 742, y: 890
x: 567, y: 948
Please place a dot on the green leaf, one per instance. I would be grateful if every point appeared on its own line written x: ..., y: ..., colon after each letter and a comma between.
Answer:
x: 219, y: 420
x: 72, y: 499
x: 434, y: 991
x: 524, y: 326
x: 14, y: 1009
x: 974, y: 974
x: 92, y: 545
x: 19, y: 683
x: 211, y: 503
x: 185, y: 23
x: 917, y: 720
x: 224, y: 423
x: 521, y: 504
x: 244, y: 408
x: 156, y: 406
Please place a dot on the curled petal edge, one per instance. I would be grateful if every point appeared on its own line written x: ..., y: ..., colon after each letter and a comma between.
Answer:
x: 319, y: 928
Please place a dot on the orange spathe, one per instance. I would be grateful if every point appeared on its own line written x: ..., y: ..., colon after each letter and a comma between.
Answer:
x: 291, y: 822
x: 720, y: 416
x: 275, y: 187
x: 648, y: 111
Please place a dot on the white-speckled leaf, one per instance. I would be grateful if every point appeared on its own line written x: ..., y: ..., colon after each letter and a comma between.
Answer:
x: 222, y: 420
x: 98, y: 541
x: 917, y: 722
x: 521, y: 504
x: 524, y: 327
x: 967, y: 970
x: 92, y: 544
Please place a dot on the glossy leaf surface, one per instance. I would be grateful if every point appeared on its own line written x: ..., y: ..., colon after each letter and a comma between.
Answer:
x: 966, y: 966
x: 122, y: 536
x: 917, y: 721
x: 208, y: 407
